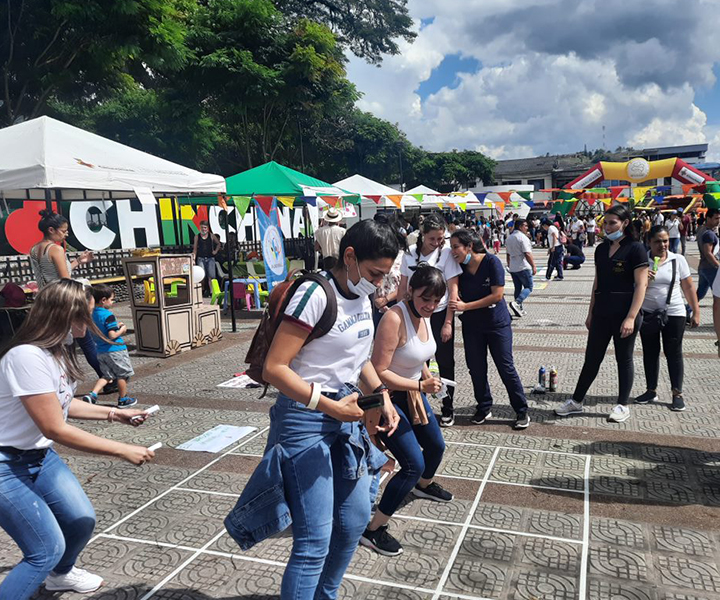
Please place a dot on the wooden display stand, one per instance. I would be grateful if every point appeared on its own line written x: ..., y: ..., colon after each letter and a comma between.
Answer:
x: 167, y: 305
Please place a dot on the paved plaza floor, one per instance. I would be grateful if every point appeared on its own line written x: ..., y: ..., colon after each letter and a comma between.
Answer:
x: 570, y: 509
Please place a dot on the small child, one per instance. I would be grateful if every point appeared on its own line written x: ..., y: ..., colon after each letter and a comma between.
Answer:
x: 114, y: 358
x: 496, y: 240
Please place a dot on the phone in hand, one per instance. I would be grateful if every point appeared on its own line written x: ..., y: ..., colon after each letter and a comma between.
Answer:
x: 371, y: 401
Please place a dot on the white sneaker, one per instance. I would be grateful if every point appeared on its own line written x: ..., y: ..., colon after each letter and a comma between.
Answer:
x: 619, y: 414
x: 516, y: 308
x: 569, y: 407
x: 77, y: 580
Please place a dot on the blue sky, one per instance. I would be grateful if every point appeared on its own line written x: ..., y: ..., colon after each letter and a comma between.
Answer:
x: 521, y: 78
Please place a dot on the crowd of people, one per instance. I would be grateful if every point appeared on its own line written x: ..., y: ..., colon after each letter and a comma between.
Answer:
x: 394, y: 305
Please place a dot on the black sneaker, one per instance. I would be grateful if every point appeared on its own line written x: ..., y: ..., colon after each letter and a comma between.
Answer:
x: 516, y: 308
x: 678, y: 404
x: 646, y: 398
x: 447, y: 417
x: 522, y: 422
x: 381, y: 541
x: 126, y: 402
x: 434, y: 492
x: 480, y: 417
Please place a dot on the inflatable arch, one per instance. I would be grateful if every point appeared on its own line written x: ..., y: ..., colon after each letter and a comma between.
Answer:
x: 638, y: 170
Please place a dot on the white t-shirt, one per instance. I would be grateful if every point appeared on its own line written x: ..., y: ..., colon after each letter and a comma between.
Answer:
x: 554, y: 236
x: 657, y: 290
x: 673, y: 227
x: 577, y: 226
x: 328, y: 238
x: 25, y: 371
x: 442, y: 259
x: 517, y: 245
x: 338, y: 356
x: 590, y: 225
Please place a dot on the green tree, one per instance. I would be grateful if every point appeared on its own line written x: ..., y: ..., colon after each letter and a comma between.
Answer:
x: 72, y: 48
x: 368, y: 28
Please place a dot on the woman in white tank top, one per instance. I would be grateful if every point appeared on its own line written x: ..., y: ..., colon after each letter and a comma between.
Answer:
x: 403, y: 345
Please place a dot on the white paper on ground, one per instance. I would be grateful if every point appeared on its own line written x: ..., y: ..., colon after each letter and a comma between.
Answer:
x: 239, y: 382
x: 217, y: 438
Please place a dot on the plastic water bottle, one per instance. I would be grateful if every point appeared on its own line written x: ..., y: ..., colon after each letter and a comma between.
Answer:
x: 435, y: 372
x: 553, y: 379
x: 542, y: 377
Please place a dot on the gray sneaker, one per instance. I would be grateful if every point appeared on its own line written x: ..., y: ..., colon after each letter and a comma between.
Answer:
x: 569, y: 407
x: 619, y: 414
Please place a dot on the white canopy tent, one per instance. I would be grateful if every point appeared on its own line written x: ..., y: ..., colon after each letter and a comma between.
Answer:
x: 47, y: 154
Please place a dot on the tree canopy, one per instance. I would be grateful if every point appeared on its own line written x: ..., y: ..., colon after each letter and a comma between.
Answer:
x: 220, y: 85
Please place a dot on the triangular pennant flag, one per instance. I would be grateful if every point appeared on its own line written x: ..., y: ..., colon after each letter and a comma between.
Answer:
x: 222, y: 202
x: 241, y: 205
x: 481, y: 196
x: 310, y: 200
x: 439, y: 204
x: 462, y: 205
x: 354, y: 199
x: 331, y: 200
x: 418, y: 197
x: 616, y: 190
x: 525, y: 195
x: 639, y: 193
x: 396, y: 200
x: 505, y: 196
x: 687, y: 187
x: 288, y: 201
x: 375, y: 199
x: 500, y: 206
x: 265, y: 203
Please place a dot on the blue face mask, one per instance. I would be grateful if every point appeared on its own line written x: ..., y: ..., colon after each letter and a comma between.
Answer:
x: 615, y: 235
x: 467, y: 259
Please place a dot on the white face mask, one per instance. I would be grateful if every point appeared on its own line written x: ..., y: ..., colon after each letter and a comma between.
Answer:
x: 363, y: 287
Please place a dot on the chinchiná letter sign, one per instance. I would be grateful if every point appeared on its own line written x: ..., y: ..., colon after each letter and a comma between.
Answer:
x: 216, y: 439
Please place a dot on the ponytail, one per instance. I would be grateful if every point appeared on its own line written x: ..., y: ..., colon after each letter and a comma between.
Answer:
x: 432, y: 222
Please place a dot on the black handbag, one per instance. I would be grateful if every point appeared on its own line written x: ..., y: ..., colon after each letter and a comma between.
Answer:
x: 655, y: 321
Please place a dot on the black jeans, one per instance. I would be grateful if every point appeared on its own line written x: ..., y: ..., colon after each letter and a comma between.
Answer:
x: 672, y: 338
x: 499, y: 343
x: 445, y: 353
x: 89, y: 349
x: 555, y: 261
x: 602, y: 330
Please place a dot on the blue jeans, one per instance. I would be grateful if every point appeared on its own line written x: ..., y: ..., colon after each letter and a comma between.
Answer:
x: 329, y: 505
x: 89, y: 349
x: 674, y: 244
x: 44, y: 509
x: 523, y: 281
x: 418, y: 449
x: 208, y: 265
x: 573, y: 261
x: 706, y: 277
x: 555, y: 261
x: 499, y: 343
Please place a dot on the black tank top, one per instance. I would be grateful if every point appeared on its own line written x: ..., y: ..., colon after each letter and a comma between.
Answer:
x: 205, y: 246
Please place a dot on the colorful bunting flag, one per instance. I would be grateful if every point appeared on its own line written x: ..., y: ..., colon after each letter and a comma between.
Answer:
x: 375, y: 199
x: 396, y: 200
x: 288, y: 201
x: 616, y: 190
x: 241, y: 205
x: 418, y: 197
x: 505, y: 196
x: 639, y: 193
x: 265, y: 203
x: 462, y: 205
x: 331, y: 200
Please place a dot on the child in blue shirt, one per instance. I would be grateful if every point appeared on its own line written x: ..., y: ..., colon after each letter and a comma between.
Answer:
x: 113, y: 357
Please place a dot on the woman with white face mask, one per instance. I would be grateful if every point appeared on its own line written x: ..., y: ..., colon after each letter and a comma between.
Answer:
x: 432, y: 249
x: 319, y: 462
x: 621, y: 278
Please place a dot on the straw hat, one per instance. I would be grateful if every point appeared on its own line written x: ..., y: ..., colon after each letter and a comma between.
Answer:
x: 332, y: 216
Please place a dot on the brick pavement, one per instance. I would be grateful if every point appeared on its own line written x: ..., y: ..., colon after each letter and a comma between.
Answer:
x: 570, y: 508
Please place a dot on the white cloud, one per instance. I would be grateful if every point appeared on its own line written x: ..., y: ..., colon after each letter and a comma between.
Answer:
x: 554, y: 72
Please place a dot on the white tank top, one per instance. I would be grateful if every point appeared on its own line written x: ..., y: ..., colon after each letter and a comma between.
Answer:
x: 409, y: 359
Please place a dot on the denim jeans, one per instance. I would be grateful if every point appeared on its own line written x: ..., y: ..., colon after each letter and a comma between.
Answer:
x: 44, y: 509
x: 208, y: 265
x: 89, y: 349
x: 418, y: 449
x: 573, y: 261
x: 555, y: 261
x: 328, y: 493
x: 523, y: 281
x: 706, y: 277
x: 674, y: 244
x: 499, y: 343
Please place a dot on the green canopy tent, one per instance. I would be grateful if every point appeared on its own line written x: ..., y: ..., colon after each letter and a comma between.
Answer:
x: 272, y: 179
